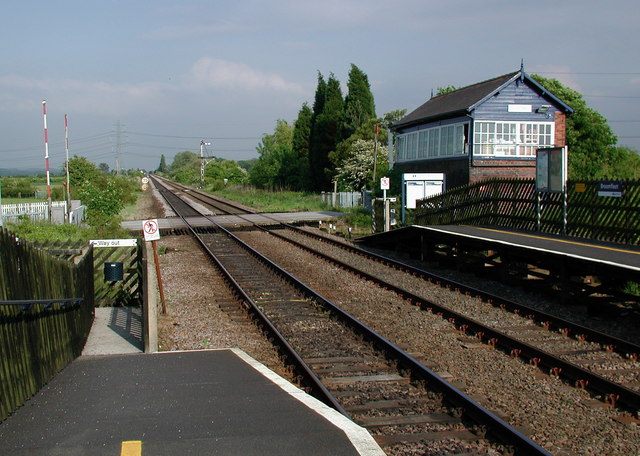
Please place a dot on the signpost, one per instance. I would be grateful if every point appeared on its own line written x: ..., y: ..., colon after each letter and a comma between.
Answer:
x: 551, y: 177
x: 152, y: 234
x: 610, y: 189
x: 384, y: 186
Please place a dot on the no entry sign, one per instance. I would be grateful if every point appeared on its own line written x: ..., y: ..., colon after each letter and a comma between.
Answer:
x: 151, y: 230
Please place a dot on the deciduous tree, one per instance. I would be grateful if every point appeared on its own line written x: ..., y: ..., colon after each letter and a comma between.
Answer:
x: 589, y: 138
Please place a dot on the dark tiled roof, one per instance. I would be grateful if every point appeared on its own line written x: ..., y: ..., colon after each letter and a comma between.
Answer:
x: 456, y: 102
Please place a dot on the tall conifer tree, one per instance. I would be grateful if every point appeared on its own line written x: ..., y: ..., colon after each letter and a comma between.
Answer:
x: 359, y: 106
x: 300, y: 145
x: 302, y: 131
x: 324, y: 131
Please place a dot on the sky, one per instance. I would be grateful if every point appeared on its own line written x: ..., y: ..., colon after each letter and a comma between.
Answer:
x: 148, y: 78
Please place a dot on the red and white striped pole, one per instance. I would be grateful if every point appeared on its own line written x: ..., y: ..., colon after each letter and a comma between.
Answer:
x: 46, y: 154
x: 66, y: 148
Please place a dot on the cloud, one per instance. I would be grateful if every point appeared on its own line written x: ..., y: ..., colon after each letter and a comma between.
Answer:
x: 209, y: 72
x: 562, y: 73
x: 79, y: 96
x: 206, y: 77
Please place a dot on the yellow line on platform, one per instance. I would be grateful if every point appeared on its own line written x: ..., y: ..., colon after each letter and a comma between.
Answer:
x: 561, y: 240
x: 131, y: 448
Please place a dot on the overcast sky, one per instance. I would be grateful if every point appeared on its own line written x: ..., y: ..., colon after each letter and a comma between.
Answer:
x: 171, y: 73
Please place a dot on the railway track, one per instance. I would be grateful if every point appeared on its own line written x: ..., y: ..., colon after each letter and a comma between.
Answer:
x: 218, y: 206
x: 354, y: 369
x: 604, y: 365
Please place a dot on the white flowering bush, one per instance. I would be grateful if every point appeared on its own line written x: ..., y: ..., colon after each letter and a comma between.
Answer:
x: 356, y: 171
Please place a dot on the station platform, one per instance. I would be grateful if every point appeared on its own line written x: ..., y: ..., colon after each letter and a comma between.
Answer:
x: 618, y: 255
x: 579, y: 271
x: 204, y: 402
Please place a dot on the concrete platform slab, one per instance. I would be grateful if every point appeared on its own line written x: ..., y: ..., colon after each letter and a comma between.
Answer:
x: 213, y: 402
x: 115, y: 331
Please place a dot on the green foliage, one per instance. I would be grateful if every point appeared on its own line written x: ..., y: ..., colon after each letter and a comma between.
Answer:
x: 589, y: 138
x: 359, y: 107
x: 247, y: 164
x: 17, y: 187
x: 273, y: 201
x: 324, y: 135
x: 356, y: 171
x: 219, y: 173
x: 623, y: 164
x: 302, y: 131
x: 44, y: 232
x: 225, y: 169
x: 632, y: 288
x: 186, y: 159
x: 185, y: 168
x: 446, y: 90
x: 278, y: 164
x: 359, y: 218
x: 162, y: 168
x: 103, y: 194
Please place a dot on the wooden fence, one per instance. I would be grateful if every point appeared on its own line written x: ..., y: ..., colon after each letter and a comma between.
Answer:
x: 128, y: 292
x: 39, y: 336
x: 512, y: 203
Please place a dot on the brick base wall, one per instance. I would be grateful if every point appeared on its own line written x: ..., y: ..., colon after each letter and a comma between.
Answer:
x: 502, y: 169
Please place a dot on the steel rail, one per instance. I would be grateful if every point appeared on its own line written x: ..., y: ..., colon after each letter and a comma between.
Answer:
x: 474, y: 411
x: 499, y: 428
x: 612, y: 343
x: 307, y: 376
x: 204, y: 197
x: 612, y: 392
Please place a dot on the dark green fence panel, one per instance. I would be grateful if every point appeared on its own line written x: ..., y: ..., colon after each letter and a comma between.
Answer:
x: 127, y: 292
x: 512, y: 203
x: 39, y: 339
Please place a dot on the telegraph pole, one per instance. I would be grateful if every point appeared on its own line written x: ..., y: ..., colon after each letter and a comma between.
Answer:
x: 118, y: 146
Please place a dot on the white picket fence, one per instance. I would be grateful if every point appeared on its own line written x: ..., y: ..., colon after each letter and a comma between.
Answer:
x: 342, y: 199
x: 40, y: 212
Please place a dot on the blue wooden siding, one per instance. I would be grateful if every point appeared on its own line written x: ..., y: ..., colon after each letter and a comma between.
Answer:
x: 518, y: 92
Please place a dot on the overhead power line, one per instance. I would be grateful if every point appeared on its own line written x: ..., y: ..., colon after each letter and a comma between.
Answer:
x: 213, y: 138
x: 598, y: 73
x: 612, y: 96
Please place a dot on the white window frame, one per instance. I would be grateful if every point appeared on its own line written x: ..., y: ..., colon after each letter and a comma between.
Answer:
x: 431, y: 143
x: 511, y: 139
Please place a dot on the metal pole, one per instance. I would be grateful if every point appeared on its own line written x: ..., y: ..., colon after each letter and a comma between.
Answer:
x: 156, y: 260
x: 387, y: 213
x: 538, y: 212
x: 201, y: 163
x: 375, y: 153
x: 1, y: 214
x: 564, y: 210
x: 46, y: 155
